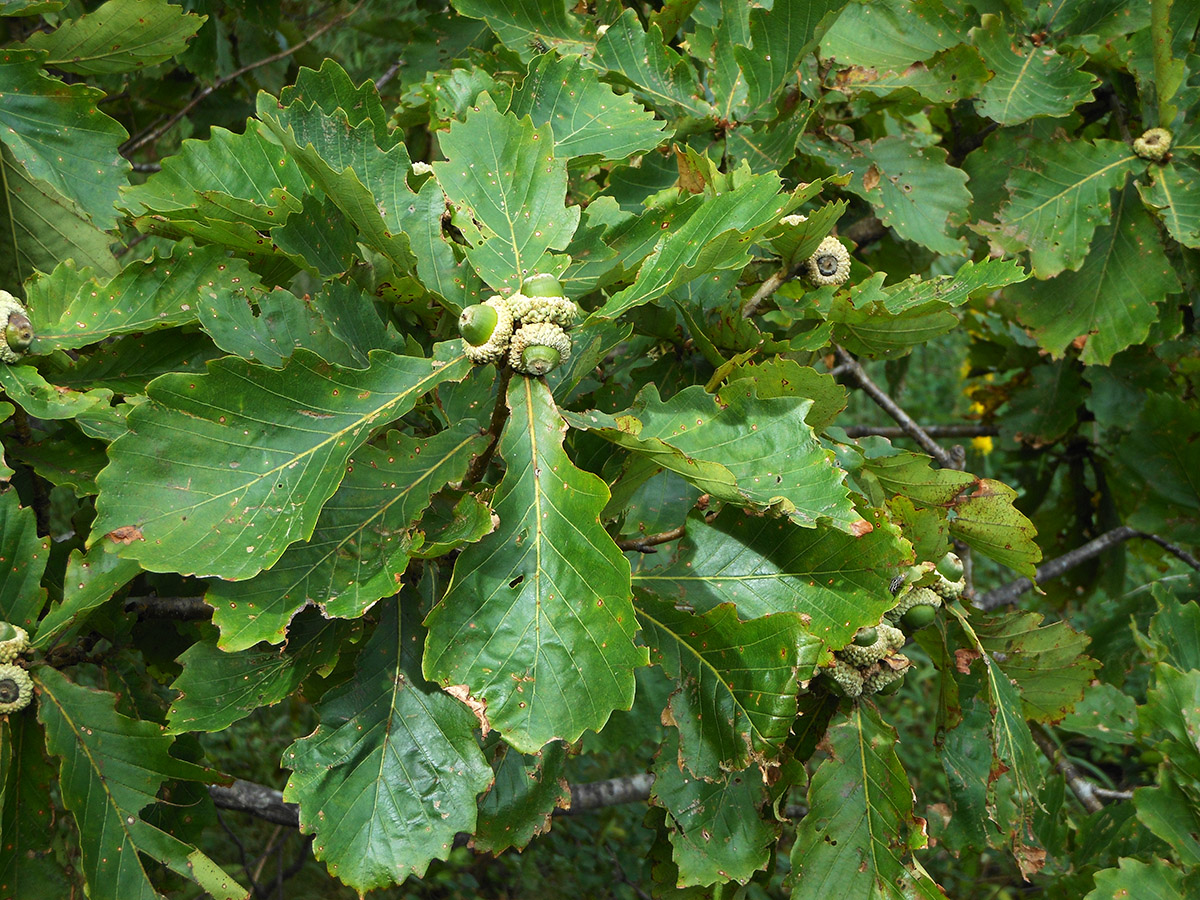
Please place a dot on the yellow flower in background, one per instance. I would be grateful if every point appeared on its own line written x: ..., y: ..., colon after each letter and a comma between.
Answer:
x: 982, y: 444
x: 977, y: 408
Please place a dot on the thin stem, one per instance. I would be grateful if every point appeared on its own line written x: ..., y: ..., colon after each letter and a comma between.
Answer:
x: 647, y: 543
x: 934, y: 431
x: 889, y: 406
x: 765, y: 290
x: 136, y: 143
x: 1160, y: 43
x: 1081, y: 787
x: 1177, y: 552
x: 387, y: 76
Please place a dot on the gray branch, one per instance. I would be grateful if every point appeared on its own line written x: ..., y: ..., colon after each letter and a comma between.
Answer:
x: 613, y: 792
x: 1008, y: 594
x: 945, y: 459
x: 936, y: 431
x: 1083, y: 789
x: 256, y: 799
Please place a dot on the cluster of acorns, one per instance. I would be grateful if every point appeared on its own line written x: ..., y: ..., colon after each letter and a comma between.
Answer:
x: 872, y: 663
x: 16, y: 687
x: 527, y: 329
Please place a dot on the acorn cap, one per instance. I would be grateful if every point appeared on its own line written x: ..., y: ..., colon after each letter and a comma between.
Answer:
x: 830, y: 264
x: 16, y: 689
x: 536, y: 349
x: 13, y: 642
x: 1153, y: 144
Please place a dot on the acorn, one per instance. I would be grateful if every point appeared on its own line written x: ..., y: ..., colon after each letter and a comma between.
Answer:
x: 541, y: 299
x: 16, y: 689
x: 911, y: 597
x: 865, y: 637
x: 542, y: 284
x: 830, y: 264
x: 18, y: 331
x: 486, y: 328
x: 538, y: 348
x: 918, y: 617
x: 950, y: 567
x: 887, y: 640
x: 13, y: 642
x: 847, y: 680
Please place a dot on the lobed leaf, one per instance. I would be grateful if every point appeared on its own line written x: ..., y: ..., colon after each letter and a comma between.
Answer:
x: 767, y: 566
x: 360, y: 546
x: 111, y: 768
x: 119, y: 36
x: 586, y: 117
x: 737, y: 682
x: 861, y: 826
x: 286, y: 435
x: 391, y: 773
x: 55, y: 132
x: 537, y: 621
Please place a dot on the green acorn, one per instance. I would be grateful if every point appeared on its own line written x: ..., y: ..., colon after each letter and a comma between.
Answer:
x: 911, y: 597
x: 865, y: 637
x: 18, y: 332
x: 887, y: 640
x: 486, y: 328
x: 950, y: 567
x: 13, y: 642
x: 16, y: 689
x: 538, y: 348
x: 918, y: 617
x: 542, y: 284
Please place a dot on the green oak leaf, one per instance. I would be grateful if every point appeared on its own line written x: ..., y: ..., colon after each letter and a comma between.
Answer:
x: 361, y: 544
x: 531, y: 27
x: 111, y: 768
x: 717, y: 830
x: 537, y: 622
x: 892, y: 34
x: 70, y: 309
x: 1027, y: 80
x: 1174, y: 193
x: 217, y: 688
x: 1110, y: 303
x: 657, y: 73
x: 392, y: 772
x: 28, y: 866
x: 1047, y: 662
x: 912, y: 188
x: 586, y: 117
x: 767, y: 565
x: 501, y: 171
x: 26, y: 387
x: 55, y: 131
x: 946, y: 77
x: 984, y: 515
x: 39, y: 227
x: 1132, y: 878
x: 286, y: 436
x: 119, y: 36
x: 737, y: 682
x: 1172, y: 815
x: 861, y: 828
x: 527, y: 791
x: 366, y: 183
x: 736, y: 446
x: 1057, y: 199
x: 778, y: 38
x: 718, y: 235
x: 21, y: 594
x: 90, y: 580
x: 264, y: 175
